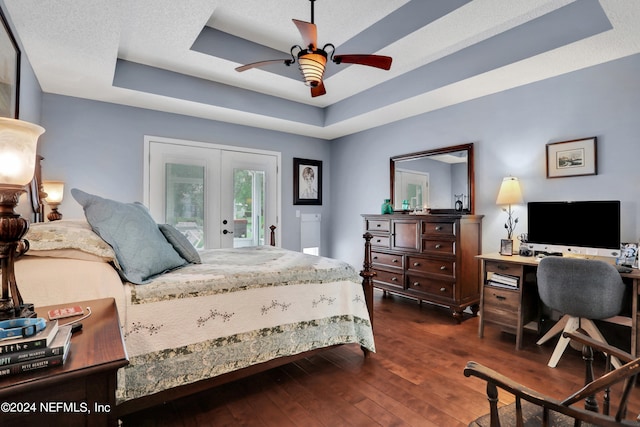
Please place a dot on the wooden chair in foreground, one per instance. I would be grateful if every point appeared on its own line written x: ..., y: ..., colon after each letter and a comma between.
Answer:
x: 532, y: 408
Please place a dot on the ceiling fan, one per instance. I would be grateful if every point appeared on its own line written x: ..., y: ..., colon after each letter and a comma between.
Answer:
x: 312, y: 60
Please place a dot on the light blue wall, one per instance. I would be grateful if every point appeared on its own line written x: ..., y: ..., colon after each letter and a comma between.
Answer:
x: 510, y: 131
x: 98, y: 147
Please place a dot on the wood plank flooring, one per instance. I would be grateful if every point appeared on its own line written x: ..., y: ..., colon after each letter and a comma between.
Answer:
x: 414, y: 379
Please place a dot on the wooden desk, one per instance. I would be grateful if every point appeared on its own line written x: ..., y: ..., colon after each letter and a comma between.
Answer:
x: 513, y: 309
x: 82, y: 391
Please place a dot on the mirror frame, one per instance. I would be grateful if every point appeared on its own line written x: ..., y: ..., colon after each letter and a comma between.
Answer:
x: 470, y: 173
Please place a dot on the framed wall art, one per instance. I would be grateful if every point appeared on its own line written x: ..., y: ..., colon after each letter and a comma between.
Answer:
x: 9, y: 71
x: 307, y: 182
x: 572, y: 158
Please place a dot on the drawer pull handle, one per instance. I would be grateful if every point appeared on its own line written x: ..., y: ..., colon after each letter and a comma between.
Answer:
x: 378, y: 225
x: 394, y: 279
x: 502, y: 267
x: 443, y: 268
x: 416, y: 264
x: 438, y: 228
x: 443, y: 289
x: 375, y: 257
x: 500, y: 297
x: 378, y: 241
x: 438, y: 246
x: 416, y: 284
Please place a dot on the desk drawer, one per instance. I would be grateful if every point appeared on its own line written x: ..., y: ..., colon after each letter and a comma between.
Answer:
x: 387, y: 260
x: 504, y: 268
x: 433, y: 266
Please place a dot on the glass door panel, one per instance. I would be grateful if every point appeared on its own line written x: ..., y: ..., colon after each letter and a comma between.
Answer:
x: 184, y: 208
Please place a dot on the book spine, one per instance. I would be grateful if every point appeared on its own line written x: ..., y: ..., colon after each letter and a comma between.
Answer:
x: 23, y: 346
x: 24, y: 356
x: 32, y: 365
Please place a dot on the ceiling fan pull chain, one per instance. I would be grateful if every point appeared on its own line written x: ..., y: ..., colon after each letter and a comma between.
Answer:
x: 312, y: 2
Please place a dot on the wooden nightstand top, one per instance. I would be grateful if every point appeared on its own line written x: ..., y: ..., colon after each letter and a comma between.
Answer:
x: 98, y: 347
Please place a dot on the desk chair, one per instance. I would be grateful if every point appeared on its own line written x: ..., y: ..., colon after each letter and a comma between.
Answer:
x: 582, y: 290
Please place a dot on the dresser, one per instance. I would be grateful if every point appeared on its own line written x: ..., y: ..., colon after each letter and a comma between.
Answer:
x: 428, y: 257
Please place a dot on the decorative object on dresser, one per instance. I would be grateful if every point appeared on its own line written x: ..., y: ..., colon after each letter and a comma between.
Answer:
x: 55, y: 192
x: 428, y: 257
x: 18, y: 140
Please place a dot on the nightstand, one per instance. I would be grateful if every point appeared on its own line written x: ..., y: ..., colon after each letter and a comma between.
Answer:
x: 82, y: 391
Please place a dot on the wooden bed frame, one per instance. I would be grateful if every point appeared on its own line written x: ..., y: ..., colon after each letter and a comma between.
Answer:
x: 36, y: 197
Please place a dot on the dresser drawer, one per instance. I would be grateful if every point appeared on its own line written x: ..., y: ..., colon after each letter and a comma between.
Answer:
x: 378, y: 225
x: 387, y: 260
x: 503, y: 268
x: 447, y: 247
x: 381, y: 241
x: 430, y: 265
x: 438, y: 228
x: 430, y: 286
x: 390, y: 279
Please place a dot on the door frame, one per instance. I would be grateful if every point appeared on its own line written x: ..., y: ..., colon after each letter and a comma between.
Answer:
x: 146, y: 182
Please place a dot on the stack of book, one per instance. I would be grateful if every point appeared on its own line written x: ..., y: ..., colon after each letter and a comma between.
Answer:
x: 46, y: 349
x: 503, y: 280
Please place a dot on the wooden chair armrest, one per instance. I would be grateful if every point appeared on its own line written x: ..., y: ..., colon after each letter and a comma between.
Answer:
x: 477, y: 370
x: 599, y: 346
x: 631, y: 369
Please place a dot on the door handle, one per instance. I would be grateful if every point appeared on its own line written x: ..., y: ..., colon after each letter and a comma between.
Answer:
x: 227, y: 232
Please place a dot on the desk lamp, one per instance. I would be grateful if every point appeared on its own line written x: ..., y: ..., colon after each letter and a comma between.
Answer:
x: 18, y: 141
x: 510, y: 194
x: 55, y: 192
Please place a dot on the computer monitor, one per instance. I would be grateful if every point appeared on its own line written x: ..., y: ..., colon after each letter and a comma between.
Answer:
x: 583, y: 227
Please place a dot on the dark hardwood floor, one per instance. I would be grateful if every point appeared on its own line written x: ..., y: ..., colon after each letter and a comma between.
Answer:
x: 414, y: 379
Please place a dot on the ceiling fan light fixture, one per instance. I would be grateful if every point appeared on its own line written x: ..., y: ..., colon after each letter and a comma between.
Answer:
x: 312, y: 64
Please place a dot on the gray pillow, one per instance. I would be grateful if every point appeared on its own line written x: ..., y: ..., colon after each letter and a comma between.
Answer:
x: 180, y: 243
x: 141, y: 249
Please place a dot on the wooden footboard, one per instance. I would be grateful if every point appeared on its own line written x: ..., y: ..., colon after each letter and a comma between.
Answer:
x: 367, y: 275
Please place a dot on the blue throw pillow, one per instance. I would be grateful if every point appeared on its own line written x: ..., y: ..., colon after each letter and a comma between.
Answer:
x: 180, y: 243
x: 141, y: 249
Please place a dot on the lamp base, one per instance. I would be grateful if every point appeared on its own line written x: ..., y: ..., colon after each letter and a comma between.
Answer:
x: 54, y: 215
x: 8, y: 311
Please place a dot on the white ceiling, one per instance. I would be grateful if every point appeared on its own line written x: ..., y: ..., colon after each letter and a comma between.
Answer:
x: 142, y: 53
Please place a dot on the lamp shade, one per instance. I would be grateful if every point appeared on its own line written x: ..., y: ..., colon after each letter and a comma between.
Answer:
x: 312, y: 66
x: 54, y: 190
x: 510, y: 193
x: 18, y: 141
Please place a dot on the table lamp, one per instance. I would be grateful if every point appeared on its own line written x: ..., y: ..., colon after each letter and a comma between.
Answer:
x: 18, y: 141
x: 55, y: 192
x: 510, y: 194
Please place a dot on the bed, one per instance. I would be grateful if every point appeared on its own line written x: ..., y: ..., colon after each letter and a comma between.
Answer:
x: 234, y: 313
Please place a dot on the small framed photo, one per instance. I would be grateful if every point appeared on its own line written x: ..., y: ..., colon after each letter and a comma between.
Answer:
x: 506, y: 247
x: 307, y: 182
x: 572, y: 158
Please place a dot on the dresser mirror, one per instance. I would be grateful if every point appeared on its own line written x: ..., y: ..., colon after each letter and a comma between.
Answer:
x: 436, y: 181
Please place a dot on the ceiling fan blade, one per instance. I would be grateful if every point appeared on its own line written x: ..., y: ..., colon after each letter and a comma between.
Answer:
x: 263, y: 63
x: 377, y: 61
x: 308, y: 31
x: 318, y: 90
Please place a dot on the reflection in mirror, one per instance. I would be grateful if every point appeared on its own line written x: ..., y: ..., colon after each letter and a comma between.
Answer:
x: 438, y: 180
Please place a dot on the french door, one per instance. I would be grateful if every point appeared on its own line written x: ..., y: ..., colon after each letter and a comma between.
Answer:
x: 217, y: 196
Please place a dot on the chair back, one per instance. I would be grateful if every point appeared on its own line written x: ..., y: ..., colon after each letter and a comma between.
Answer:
x: 578, y: 287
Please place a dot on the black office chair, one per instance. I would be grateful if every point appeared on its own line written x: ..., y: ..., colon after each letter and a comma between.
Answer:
x: 582, y: 290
